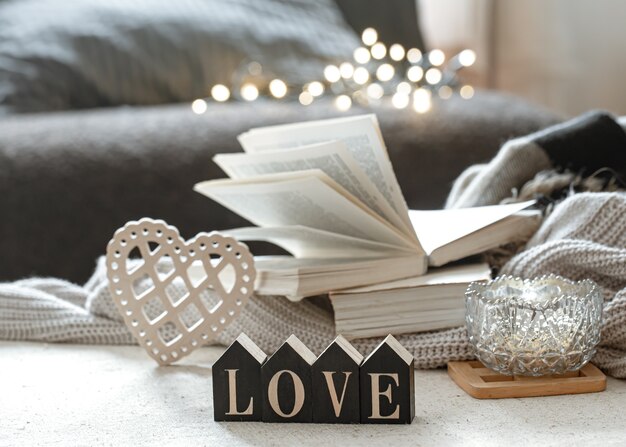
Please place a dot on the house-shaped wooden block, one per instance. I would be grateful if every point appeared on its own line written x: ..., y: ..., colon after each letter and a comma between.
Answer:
x: 286, y: 377
x: 336, y: 384
x: 387, y: 385
x: 237, y: 386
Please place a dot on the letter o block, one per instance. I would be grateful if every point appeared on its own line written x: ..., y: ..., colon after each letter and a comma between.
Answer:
x: 286, y: 379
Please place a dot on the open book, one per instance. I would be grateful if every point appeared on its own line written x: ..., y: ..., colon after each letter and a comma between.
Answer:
x: 326, y: 192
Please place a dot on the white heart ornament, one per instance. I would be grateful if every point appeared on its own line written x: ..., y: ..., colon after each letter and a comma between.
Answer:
x: 176, y: 295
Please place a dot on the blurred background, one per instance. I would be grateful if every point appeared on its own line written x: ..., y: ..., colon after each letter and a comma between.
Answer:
x: 112, y: 110
x: 569, y: 55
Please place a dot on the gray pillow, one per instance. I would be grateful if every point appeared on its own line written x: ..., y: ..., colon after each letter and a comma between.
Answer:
x: 58, y: 54
x: 396, y: 21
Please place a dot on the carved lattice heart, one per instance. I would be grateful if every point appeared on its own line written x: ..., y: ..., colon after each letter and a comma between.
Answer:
x: 176, y: 295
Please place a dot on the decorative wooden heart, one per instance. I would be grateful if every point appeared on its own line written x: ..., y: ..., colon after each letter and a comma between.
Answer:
x: 176, y: 295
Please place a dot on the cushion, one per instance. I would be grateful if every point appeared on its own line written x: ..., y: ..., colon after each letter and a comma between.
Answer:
x: 395, y: 20
x: 57, y: 55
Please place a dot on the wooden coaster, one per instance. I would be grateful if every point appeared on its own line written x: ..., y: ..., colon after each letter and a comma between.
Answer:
x: 482, y: 383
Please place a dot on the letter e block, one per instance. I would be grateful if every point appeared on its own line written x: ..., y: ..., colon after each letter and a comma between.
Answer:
x: 387, y: 385
x: 237, y: 386
x: 336, y: 384
x: 286, y: 378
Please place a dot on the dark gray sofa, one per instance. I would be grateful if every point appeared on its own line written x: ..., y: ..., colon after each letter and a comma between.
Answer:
x: 69, y: 179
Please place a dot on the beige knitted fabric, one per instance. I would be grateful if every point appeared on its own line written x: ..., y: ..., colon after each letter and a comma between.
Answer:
x: 57, y: 311
x: 585, y: 237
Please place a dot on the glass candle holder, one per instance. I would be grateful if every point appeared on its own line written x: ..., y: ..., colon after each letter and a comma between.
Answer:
x: 545, y: 326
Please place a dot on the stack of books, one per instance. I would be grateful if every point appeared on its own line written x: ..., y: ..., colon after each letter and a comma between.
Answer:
x: 326, y: 192
x: 420, y: 303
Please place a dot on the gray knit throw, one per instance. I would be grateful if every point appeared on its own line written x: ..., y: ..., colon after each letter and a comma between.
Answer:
x: 584, y: 237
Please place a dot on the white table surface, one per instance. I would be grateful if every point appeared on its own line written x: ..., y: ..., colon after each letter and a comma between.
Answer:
x: 57, y: 394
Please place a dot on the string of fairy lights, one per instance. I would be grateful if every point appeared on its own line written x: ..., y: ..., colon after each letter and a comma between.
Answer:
x: 377, y: 73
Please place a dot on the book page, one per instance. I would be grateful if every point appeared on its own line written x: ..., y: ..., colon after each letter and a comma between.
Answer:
x: 296, y: 266
x: 518, y: 226
x: 362, y: 137
x: 308, y: 198
x: 437, y: 228
x: 333, y: 158
x: 436, y: 276
x: 306, y: 242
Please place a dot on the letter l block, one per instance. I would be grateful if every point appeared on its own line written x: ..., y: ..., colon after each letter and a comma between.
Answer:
x: 237, y: 390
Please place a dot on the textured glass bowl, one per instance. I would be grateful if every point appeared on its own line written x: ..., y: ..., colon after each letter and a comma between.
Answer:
x: 545, y: 326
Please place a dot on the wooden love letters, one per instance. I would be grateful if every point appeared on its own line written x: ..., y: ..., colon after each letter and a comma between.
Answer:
x: 293, y: 385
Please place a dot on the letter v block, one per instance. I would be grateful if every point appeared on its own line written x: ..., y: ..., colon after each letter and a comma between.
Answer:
x: 237, y: 386
x: 387, y: 385
x: 336, y: 384
x: 286, y: 378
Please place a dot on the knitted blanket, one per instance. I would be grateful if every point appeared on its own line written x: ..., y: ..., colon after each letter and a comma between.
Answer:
x: 584, y: 237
